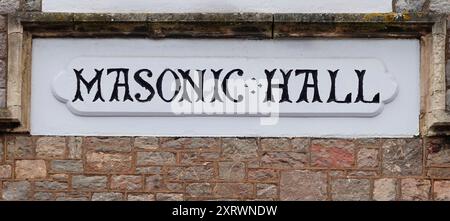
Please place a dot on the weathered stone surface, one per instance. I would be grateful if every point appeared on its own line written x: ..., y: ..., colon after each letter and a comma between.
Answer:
x: 438, y: 152
x: 441, y: 190
x: 2, y: 151
x: 303, y: 185
x: 108, y: 162
x: 155, y: 158
x: 360, y: 173
x: 367, y: 158
x: 66, y: 166
x: 3, y: 22
x: 284, y: 159
x: 140, y: 197
x: 5, y: 171
x: 174, y: 187
x: 50, y: 185
x: 350, y: 189
x: 335, y: 153
x: 146, y: 143
x: 231, y: 171
x: 409, y: 5
x: 126, y: 182
x: 199, y: 157
x: 369, y: 143
x: 107, y: 197
x: 74, y: 144
x: 108, y: 144
x: 9, y: 6
x: 32, y: 5
x: 2, y: 97
x: 60, y: 177
x: 440, y: 6
x: 402, y: 157
x: 233, y: 190
x: 301, y: 144
x: 43, y: 196
x: 203, y: 143
x: 194, y: 173
x: 89, y: 182
x: 2, y: 73
x: 17, y: 190
x: 276, y: 144
x: 199, y: 189
x: 51, y: 147
x: 169, y: 197
x: 19, y: 147
x: 415, y: 189
x: 385, y: 189
x: 439, y: 172
x: 154, y: 183
x: 72, y: 196
x: 174, y: 142
x: 30, y: 169
x: 148, y: 170
x: 262, y: 174
x: 239, y: 149
x: 266, y: 191
x: 3, y: 45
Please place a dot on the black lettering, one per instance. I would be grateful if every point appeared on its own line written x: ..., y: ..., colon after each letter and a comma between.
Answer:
x: 160, y: 82
x: 332, y: 97
x: 144, y: 84
x: 89, y: 85
x: 304, y: 94
x: 225, y: 90
x: 284, y: 86
x: 360, y: 96
x: 197, y: 88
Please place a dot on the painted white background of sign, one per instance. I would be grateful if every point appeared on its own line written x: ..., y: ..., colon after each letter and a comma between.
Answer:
x: 400, y: 118
x: 177, y: 6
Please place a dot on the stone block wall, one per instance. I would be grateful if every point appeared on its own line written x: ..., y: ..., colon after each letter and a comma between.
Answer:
x: 149, y: 168
x: 162, y: 168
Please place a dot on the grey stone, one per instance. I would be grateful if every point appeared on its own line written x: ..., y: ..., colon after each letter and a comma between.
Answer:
x: 169, y: 197
x: 440, y: 6
x: 303, y: 185
x: 141, y: 197
x: 32, y: 5
x: 43, y: 196
x: 409, y: 5
x: 2, y: 74
x: 9, y: 6
x: 50, y: 185
x: 3, y: 44
x: 2, y: 97
x: 107, y: 196
x: 89, y: 182
x: 67, y: 166
x: 350, y: 189
x: 239, y: 149
x: 74, y: 146
x: 16, y: 190
x: 402, y: 157
x: 199, y: 189
x: 155, y: 158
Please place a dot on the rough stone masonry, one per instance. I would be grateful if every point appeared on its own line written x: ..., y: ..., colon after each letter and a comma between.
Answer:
x: 161, y: 168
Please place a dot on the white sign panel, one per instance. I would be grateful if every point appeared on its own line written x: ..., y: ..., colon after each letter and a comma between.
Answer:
x: 187, y: 6
x: 323, y: 88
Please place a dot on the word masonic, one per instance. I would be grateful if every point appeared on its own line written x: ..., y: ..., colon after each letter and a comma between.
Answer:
x: 177, y: 85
